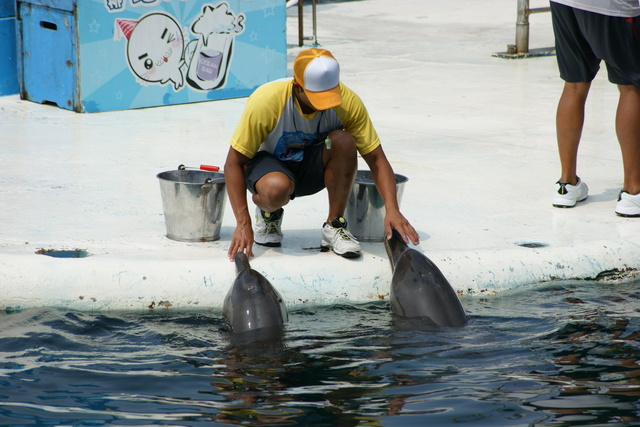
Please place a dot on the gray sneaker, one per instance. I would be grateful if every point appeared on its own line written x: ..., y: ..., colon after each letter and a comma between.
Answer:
x: 336, y: 236
x: 567, y: 195
x: 268, y: 232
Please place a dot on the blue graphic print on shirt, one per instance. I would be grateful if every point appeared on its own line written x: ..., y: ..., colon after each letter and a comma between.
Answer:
x: 291, y: 145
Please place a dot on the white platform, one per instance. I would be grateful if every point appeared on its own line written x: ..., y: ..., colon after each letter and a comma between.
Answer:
x: 474, y: 133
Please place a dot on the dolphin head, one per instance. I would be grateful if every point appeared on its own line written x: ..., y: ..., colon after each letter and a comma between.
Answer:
x: 395, y: 247
x: 420, y: 290
x: 252, y: 302
x: 418, y: 287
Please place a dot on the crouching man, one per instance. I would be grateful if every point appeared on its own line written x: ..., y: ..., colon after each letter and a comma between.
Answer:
x: 296, y: 137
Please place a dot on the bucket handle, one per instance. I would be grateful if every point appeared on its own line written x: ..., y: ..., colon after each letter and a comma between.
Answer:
x: 202, y: 167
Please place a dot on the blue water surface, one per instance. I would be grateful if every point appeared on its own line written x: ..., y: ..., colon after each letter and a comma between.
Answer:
x: 560, y: 354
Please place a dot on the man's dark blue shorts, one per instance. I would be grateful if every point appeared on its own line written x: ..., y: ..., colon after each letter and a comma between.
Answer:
x: 583, y: 39
x: 307, y: 174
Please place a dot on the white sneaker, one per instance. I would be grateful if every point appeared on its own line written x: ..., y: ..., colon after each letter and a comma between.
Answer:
x: 336, y: 236
x: 628, y: 205
x: 567, y: 195
x: 268, y: 232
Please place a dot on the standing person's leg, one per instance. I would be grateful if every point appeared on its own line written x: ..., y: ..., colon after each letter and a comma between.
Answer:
x: 578, y: 65
x: 569, y: 123
x: 628, y: 132
x: 620, y: 50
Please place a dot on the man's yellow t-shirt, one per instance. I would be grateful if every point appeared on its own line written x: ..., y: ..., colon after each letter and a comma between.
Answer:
x: 273, y: 122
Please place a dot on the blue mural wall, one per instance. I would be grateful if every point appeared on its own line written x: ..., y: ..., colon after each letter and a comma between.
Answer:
x: 8, y: 71
x: 143, y: 53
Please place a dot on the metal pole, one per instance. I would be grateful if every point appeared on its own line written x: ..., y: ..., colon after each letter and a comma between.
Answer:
x: 522, y: 27
x: 521, y: 47
x: 315, y: 24
x: 540, y: 9
x: 300, y: 26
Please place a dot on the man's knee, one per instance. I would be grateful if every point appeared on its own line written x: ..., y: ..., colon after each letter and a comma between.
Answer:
x: 275, y: 187
x: 343, y: 147
x: 577, y: 89
x: 342, y: 139
x: 629, y: 90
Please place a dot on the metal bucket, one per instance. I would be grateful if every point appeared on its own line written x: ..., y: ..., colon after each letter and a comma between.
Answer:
x: 193, y: 202
x: 365, y: 210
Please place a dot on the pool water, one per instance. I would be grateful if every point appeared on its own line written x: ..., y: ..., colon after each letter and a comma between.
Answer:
x: 560, y: 354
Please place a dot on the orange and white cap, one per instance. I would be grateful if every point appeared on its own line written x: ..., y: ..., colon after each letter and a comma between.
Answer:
x: 318, y: 73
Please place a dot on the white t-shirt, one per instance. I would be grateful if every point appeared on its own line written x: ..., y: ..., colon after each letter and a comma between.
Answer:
x: 622, y: 8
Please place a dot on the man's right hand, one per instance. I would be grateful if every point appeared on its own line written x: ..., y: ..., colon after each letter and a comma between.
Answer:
x: 241, y: 241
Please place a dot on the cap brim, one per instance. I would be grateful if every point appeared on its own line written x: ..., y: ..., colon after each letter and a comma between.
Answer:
x: 326, y: 99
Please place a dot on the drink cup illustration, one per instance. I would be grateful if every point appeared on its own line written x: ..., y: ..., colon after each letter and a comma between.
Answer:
x: 216, y: 29
x: 209, y: 64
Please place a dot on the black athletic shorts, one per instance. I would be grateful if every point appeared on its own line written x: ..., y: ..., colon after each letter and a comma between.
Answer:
x: 583, y: 39
x: 307, y: 174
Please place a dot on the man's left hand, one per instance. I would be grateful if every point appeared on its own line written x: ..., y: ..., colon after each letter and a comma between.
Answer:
x: 399, y: 222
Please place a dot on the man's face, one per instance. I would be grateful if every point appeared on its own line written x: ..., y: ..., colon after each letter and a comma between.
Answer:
x: 302, y: 97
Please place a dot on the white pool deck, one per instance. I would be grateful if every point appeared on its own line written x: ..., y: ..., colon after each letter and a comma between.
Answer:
x: 474, y: 133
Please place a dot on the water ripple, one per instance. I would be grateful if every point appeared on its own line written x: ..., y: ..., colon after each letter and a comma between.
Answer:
x: 561, y: 354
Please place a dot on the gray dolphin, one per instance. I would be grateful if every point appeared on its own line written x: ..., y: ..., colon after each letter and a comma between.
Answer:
x: 418, y: 287
x: 252, y: 302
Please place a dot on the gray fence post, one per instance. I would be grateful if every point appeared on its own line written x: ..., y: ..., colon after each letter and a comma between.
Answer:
x: 301, y: 36
x: 521, y: 48
x: 522, y: 27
